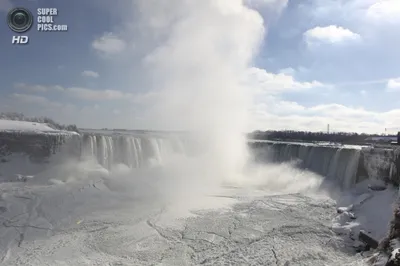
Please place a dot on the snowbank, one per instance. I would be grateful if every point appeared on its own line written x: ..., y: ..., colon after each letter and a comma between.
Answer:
x: 9, y: 125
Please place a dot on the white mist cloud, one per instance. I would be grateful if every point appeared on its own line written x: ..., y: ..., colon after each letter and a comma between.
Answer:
x: 90, y: 74
x: 96, y: 95
x: 263, y: 82
x: 81, y: 92
x: 198, y: 63
x: 35, y: 100
x: 288, y: 71
x: 109, y: 44
x: 393, y: 85
x: 364, y: 16
x: 37, y: 88
x: 267, y: 8
x: 384, y: 11
x: 330, y: 34
x: 278, y: 114
x: 191, y: 57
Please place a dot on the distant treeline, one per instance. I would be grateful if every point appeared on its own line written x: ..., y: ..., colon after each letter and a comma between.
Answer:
x: 50, y: 122
x: 289, y: 135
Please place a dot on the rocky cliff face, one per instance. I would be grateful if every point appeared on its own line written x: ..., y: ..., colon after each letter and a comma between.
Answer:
x: 37, y: 146
x: 390, y: 246
x: 395, y: 170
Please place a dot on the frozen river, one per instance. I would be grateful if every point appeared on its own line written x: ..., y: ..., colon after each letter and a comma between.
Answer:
x: 97, y: 222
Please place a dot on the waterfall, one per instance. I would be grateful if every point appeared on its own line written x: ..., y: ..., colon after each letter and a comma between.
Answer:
x: 344, y: 165
x: 132, y: 151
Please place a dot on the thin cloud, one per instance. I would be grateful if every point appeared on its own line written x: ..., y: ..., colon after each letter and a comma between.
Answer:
x: 384, y: 11
x: 97, y: 95
x: 331, y: 34
x: 393, y: 85
x: 262, y: 81
x: 275, y: 113
x: 90, y: 74
x: 37, y: 88
x: 109, y: 44
x: 34, y: 99
x: 77, y: 92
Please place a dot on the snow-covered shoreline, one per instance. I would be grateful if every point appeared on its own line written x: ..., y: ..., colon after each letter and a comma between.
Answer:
x: 371, y: 211
x: 24, y: 127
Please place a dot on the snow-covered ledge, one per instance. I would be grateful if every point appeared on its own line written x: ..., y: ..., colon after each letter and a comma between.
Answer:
x: 23, y: 127
x: 26, y: 144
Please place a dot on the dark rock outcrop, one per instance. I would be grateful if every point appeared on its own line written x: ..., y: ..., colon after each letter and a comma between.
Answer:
x: 38, y: 146
x: 367, y: 239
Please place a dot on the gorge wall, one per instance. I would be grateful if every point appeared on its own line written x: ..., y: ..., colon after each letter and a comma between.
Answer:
x: 38, y: 146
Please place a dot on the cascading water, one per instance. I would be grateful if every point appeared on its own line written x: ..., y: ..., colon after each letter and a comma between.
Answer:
x: 132, y: 151
x: 344, y: 166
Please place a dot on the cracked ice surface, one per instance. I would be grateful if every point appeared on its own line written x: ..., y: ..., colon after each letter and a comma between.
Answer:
x: 89, y: 223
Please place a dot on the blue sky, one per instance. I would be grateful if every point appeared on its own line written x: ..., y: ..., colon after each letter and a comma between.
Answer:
x: 330, y: 61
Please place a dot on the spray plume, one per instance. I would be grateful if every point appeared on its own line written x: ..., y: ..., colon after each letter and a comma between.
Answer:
x: 195, y: 54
